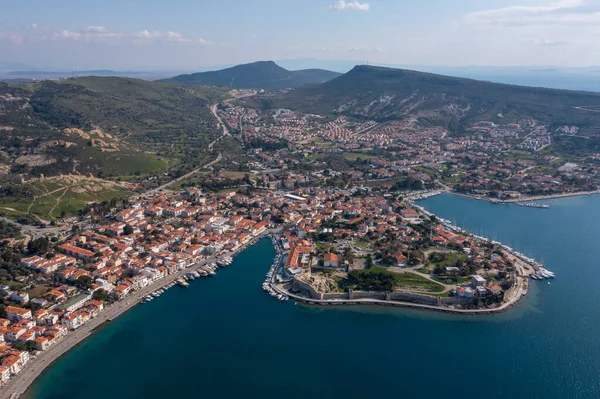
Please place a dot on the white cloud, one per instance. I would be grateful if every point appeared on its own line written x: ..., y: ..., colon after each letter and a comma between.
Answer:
x: 341, y: 5
x: 204, y: 41
x: 558, y: 12
x: 87, y: 35
x: 101, y: 34
x: 146, y: 34
x: 12, y: 38
x: 65, y: 34
x: 363, y: 48
x: 95, y: 29
x: 174, y: 36
x: 548, y: 42
x: 34, y: 26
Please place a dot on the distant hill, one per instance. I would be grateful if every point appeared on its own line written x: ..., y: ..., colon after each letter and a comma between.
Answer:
x: 257, y: 75
x: 385, y: 94
x: 41, y: 75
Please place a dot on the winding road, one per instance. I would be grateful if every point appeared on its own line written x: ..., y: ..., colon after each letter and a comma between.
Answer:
x: 213, y: 109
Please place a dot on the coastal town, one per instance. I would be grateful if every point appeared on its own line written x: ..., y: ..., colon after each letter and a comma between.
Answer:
x: 335, y: 242
x: 492, y: 160
x: 339, y: 199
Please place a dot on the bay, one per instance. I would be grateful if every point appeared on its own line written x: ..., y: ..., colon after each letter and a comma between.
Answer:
x: 223, y: 337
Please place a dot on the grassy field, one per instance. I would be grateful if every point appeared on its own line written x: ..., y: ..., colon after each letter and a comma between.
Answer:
x: 192, y: 181
x: 520, y: 155
x: 228, y: 174
x: 124, y: 164
x: 353, y: 156
x: 382, y: 183
x: 411, y: 280
x: 57, y: 198
x: 453, y: 280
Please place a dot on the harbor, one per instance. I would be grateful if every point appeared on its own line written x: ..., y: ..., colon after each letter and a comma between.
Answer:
x: 217, y: 310
x: 207, y: 270
x: 274, y: 271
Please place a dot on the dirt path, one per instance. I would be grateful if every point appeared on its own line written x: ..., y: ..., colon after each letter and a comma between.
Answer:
x: 58, y: 201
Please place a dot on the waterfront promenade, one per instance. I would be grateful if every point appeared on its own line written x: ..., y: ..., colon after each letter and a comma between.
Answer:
x: 526, y: 199
x: 18, y: 384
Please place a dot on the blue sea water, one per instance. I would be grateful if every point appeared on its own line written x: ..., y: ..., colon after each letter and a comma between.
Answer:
x: 225, y: 338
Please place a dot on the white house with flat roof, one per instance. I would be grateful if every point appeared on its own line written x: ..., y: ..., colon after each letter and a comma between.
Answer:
x: 477, y: 280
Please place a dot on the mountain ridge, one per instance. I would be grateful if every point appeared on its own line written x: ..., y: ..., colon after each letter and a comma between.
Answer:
x: 383, y: 93
x: 255, y: 75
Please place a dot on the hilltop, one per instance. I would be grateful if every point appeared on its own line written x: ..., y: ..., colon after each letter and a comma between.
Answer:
x: 385, y: 94
x: 256, y: 75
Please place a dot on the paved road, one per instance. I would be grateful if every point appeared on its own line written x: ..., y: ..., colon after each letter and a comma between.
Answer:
x: 35, y: 232
x: 180, y: 178
x: 213, y: 109
x: 547, y: 197
x: 586, y: 108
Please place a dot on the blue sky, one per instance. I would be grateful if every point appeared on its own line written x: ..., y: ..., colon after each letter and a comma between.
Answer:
x: 185, y: 34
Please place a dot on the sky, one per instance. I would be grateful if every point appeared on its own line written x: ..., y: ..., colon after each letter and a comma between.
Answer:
x: 187, y: 34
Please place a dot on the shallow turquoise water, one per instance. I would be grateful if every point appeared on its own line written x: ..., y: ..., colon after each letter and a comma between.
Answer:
x: 223, y: 337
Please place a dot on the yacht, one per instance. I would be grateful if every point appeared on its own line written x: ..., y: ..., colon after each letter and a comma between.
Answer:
x: 182, y: 282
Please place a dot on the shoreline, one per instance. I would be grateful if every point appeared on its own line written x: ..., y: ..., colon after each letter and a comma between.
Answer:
x: 526, y: 199
x: 21, y: 383
x: 524, y: 268
x: 520, y: 291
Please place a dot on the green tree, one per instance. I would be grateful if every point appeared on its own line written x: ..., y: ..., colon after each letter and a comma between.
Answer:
x: 20, y: 346
x: 127, y: 230
x: 30, y: 346
x: 83, y: 282
x: 38, y: 246
x: 100, y: 295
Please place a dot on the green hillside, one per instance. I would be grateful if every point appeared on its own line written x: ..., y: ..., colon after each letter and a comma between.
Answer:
x: 105, y: 126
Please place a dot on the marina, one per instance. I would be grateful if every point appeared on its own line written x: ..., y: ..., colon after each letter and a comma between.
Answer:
x: 274, y: 272
x: 536, y: 270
